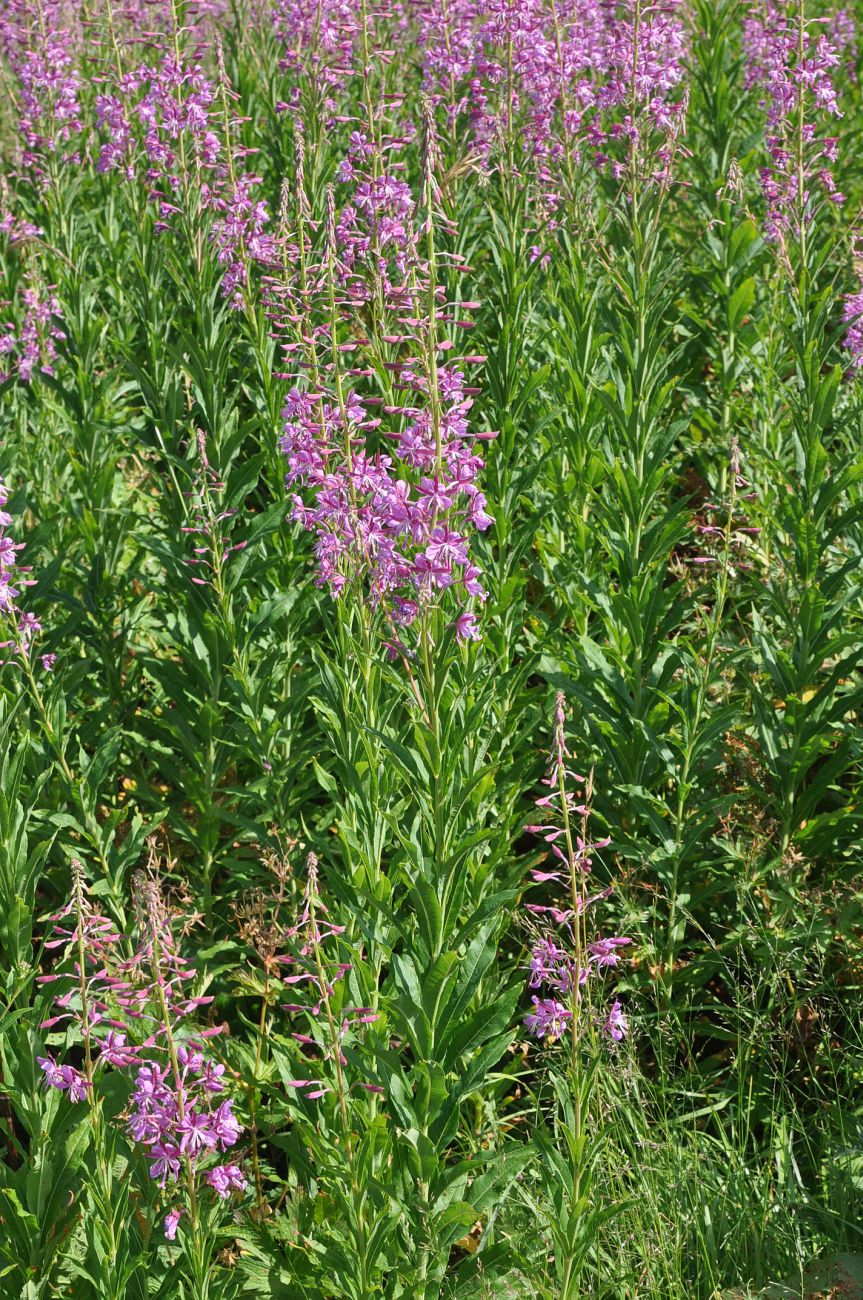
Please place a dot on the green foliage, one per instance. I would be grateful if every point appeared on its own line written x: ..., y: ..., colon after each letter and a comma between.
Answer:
x: 654, y: 367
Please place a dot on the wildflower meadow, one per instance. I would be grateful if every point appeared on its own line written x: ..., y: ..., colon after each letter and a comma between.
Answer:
x: 431, y: 623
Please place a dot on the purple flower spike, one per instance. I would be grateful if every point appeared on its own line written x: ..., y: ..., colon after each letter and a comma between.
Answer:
x: 172, y: 1113
x: 562, y: 963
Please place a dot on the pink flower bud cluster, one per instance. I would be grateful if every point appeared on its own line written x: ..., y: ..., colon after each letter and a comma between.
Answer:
x: 728, y: 534
x: 314, y: 970
x: 207, y: 528
x: 564, y: 960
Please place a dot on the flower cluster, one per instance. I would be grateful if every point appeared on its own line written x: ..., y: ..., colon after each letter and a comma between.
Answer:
x: 162, y: 126
x: 240, y: 234
x: 17, y: 229
x: 173, y: 1113
x: 32, y: 348
x: 792, y: 61
x: 394, y: 515
x: 642, y: 65
x: 12, y: 579
x: 9, y: 549
x: 177, y: 1113
x: 323, y: 37
x: 64, y: 1077
x: 50, y: 113
x: 852, y: 315
x: 565, y: 959
x: 168, y: 105
x: 565, y: 81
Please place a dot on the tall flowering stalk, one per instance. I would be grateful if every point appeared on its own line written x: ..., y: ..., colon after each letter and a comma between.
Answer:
x: 393, y: 525
x: 133, y: 1014
x: 801, y: 650
x: 566, y: 956
x: 40, y: 45
x: 791, y: 59
x: 726, y: 540
x: 385, y: 469
x: 21, y: 629
x: 634, y: 528
x: 168, y: 127
x: 312, y: 959
x: 317, y: 972
x: 88, y: 941
x: 568, y: 959
x: 314, y: 969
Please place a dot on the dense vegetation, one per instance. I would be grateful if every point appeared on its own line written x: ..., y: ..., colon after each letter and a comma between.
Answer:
x: 411, y: 414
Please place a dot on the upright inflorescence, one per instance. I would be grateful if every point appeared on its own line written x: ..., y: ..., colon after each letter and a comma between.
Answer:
x: 322, y: 35
x: 23, y: 625
x: 567, y: 954
x: 132, y: 1013
x: 40, y: 48
x: 209, y: 524
x: 792, y: 60
x: 241, y: 234
x: 728, y: 531
x: 31, y: 347
x: 391, y: 477
x: 317, y: 972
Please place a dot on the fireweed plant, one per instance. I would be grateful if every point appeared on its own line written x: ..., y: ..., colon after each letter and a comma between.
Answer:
x: 132, y: 1014
x: 377, y: 382
x: 568, y: 958
x: 794, y: 65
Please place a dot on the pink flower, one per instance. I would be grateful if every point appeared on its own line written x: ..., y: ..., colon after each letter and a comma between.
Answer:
x: 466, y: 627
x: 617, y: 1025
x: 198, y: 1132
x: 113, y: 1050
x: 64, y: 1077
x: 225, y: 1179
x: 172, y: 1220
x: 548, y: 1019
